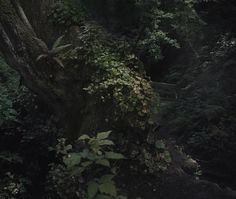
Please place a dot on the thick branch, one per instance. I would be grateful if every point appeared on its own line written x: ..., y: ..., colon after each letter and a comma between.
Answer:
x: 22, y: 14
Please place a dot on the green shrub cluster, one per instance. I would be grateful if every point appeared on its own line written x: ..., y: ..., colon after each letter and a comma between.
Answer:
x: 87, y: 173
x: 117, y: 82
x: 64, y: 14
x: 141, y: 23
x: 9, y: 82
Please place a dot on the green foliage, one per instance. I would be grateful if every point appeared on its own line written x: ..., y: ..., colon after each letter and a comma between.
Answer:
x: 203, y: 117
x: 152, y: 34
x: 225, y: 44
x: 9, y: 82
x: 55, y: 53
x: 186, y: 24
x: 12, y: 187
x: 10, y: 157
x: 139, y: 22
x: 65, y: 14
x: 90, y: 169
x: 114, y: 77
x: 114, y: 80
x: 12, y: 184
x: 152, y: 42
x: 6, y: 108
x: 156, y: 161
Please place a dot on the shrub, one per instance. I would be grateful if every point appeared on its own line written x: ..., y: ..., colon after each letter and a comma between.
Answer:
x: 87, y: 172
x: 9, y: 83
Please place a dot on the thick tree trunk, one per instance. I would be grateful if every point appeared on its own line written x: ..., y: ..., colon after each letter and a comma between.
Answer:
x: 37, y: 13
x: 21, y: 47
x: 19, y: 43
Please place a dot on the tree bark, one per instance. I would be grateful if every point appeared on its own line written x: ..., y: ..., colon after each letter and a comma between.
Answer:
x: 21, y: 47
x: 19, y: 43
x: 37, y: 13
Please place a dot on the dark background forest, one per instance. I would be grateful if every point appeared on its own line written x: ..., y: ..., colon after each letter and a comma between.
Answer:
x: 115, y: 99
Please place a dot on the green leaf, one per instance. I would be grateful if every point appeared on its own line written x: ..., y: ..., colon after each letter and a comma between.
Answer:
x: 57, y: 42
x: 72, y: 160
x: 68, y: 147
x: 103, y: 135
x: 106, y: 178
x: 77, y: 171
x: 92, y: 189
x: 167, y: 157
x: 59, y: 62
x: 92, y: 156
x: 160, y: 144
x: 108, y: 188
x: 86, y: 164
x: 84, y: 153
x: 103, y: 162
x: 59, y: 49
x: 105, y: 142
x: 113, y: 170
x: 84, y: 137
x: 114, y: 156
x: 94, y: 147
x: 43, y: 56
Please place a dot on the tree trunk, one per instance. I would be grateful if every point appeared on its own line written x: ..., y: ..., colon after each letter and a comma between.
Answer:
x: 21, y: 47
x: 37, y: 13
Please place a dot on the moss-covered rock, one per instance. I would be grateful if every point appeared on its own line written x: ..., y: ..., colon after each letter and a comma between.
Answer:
x: 110, y: 80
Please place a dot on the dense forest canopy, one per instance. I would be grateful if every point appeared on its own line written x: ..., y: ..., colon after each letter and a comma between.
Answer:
x: 115, y: 99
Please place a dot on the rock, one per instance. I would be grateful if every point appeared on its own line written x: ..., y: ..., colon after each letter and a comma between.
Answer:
x: 190, y: 166
x: 186, y: 187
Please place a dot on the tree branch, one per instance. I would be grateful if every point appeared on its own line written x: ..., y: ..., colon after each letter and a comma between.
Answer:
x: 22, y: 15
